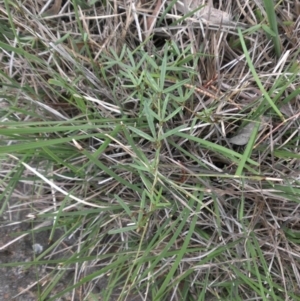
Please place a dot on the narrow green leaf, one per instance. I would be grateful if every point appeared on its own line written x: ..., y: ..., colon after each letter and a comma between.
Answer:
x: 272, y: 18
x: 255, y: 75
x: 175, y: 86
x: 141, y: 133
x: 122, y: 230
x: 163, y: 69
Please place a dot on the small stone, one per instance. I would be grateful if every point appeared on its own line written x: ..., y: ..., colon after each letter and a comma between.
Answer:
x: 37, y: 248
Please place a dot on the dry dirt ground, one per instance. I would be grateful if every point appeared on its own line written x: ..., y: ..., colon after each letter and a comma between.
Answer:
x: 23, y: 283
x: 19, y: 282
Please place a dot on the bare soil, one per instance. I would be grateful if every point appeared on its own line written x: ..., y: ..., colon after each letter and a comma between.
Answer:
x: 25, y: 283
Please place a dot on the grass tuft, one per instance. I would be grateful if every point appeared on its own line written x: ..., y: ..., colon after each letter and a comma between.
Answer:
x: 157, y: 165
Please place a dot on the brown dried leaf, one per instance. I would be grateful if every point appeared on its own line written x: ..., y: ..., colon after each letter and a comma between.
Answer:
x: 206, y: 13
x: 54, y: 10
x: 214, y: 15
x: 245, y: 133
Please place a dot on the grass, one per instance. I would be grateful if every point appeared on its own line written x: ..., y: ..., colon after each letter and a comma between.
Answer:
x: 122, y: 150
